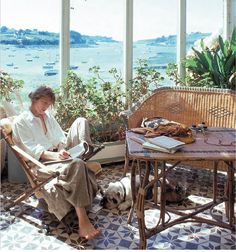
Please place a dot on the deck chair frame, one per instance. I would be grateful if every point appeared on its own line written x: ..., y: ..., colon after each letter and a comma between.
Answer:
x: 22, y: 156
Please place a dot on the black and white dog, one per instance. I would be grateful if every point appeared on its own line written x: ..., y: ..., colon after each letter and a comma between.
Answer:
x: 119, y: 194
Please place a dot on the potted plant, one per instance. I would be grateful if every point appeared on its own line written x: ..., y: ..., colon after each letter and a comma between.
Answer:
x: 101, y: 102
x: 210, y: 65
x: 8, y: 88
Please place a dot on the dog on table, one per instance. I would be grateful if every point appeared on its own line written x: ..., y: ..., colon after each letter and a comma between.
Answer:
x: 119, y: 194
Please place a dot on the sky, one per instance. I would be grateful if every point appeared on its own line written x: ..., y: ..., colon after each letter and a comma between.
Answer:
x: 152, y: 18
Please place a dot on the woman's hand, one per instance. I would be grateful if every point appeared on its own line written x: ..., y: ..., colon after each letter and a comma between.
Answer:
x: 61, y: 146
x: 50, y: 155
x: 63, y: 154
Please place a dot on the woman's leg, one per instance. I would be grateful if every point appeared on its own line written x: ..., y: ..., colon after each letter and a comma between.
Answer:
x: 79, y: 189
x: 79, y: 131
x: 86, y: 229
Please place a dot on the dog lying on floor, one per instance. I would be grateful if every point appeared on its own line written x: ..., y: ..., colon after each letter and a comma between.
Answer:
x: 119, y: 194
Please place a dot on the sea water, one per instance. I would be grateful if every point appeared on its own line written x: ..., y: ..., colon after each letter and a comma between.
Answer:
x: 28, y: 63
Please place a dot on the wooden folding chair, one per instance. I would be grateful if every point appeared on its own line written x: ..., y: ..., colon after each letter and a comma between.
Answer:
x: 24, y: 159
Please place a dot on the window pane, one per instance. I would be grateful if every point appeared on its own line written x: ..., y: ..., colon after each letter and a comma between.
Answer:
x: 101, y: 25
x: 155, y: 32
x: 204, y: 19
x: 204, y: 16
x: 155, y: 28
x: 29, y: 41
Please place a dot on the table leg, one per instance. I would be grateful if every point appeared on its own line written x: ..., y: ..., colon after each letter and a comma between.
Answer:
x: 163, y: 194
x: 155, y: 191
x: 126, y: 166
x: 133, y: 185
x: 215, y: 181
x: 140, y: 207
x: 231, y: 185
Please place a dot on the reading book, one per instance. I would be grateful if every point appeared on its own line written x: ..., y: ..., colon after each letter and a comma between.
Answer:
x: 78, y: 150
x: 165, y: 142
x: 75, y: 152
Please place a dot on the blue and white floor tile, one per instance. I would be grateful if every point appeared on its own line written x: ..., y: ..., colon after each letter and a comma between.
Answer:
x: 23, y: 227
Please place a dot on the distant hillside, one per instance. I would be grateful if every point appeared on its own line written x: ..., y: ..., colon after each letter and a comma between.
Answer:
x: 34, y: 37
x: 171, y: 39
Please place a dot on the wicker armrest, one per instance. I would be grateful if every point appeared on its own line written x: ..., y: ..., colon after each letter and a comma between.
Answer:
x: 127, y: 113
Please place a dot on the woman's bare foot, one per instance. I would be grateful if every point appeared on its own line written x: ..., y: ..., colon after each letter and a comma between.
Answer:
x: 86, y: 229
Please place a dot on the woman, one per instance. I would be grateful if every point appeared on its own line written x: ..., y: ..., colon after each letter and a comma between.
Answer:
x: 39, y: 134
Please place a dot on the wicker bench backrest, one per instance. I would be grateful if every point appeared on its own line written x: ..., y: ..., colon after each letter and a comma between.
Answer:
x: 215, y: 107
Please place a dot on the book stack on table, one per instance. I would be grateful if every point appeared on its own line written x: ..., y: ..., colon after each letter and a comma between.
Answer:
x: 160, y: 143
x: 163, y: 144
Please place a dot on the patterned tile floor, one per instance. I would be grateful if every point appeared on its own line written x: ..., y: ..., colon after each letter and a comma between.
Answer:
x: 23, y: 227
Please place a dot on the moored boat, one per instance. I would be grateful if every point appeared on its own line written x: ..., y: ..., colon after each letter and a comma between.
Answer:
x: 51, y: 72
x: 48, y: 67
x: 73, y: 67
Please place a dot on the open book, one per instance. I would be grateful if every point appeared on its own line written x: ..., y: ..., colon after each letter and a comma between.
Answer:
x: 79, y: 151
x: 75, y: 152
x: 163, y: 143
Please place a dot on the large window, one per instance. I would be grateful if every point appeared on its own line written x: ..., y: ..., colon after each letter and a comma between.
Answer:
x: 30, y: 35
x: 29, y: 41
x: 96, y: 35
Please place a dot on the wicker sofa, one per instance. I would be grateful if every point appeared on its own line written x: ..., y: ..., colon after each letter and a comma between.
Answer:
x: 215, y: 107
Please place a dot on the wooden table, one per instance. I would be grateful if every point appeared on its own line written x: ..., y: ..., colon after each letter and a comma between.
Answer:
x: 217, y: 145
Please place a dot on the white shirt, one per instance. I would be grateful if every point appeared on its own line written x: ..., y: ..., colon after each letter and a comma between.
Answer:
x: 28, y: 133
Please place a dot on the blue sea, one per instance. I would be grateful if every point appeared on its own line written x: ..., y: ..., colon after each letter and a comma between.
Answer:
x: 28, y: 63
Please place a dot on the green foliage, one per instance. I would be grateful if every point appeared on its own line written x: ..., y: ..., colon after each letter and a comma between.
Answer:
x: 145, y: 80
x: 8, y: 85
x: 106, y: 99
x: 209, y: 67
x: 191, y: 79
x: 71, y: 100
x: 100, y: 100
